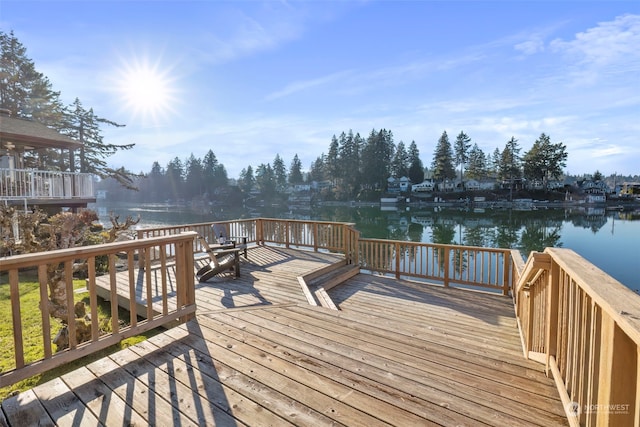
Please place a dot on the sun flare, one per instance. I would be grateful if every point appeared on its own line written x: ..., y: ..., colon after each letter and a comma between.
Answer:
x: 146, y: 90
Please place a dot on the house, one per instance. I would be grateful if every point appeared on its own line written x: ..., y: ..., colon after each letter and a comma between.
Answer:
x: 23, y: 183
x: 426, y: 186
x: 593, y: 187
x: 397, y: 185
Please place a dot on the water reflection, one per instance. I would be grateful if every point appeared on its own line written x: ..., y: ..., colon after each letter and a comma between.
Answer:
x: 609, y: 239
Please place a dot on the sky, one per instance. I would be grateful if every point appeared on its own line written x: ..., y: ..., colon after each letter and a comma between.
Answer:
x: 250, y: 80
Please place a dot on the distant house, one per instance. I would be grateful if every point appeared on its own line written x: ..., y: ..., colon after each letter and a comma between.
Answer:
x: 472, y: 185
x: 424, y: 187
x: 449, y: 185
x: 593, y: 187
x: 630, y: 188
x: 397, y: 185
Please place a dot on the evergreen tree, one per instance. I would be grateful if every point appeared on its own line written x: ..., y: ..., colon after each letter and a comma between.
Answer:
x: 477, y: 168
x: 247, y: 180
x: 332, y: 164
x: 280, y: 173
x: 25, y: 92
x: 194, y: 177
x: 416, y: 168
x: 400, y: 163
x: 295, y: 171
x: 316, y: 171
x: 510, y: 163
x: 209, y: 165
x: 349, y: 155
x: 597, y: 176
x: 494, y: 162
x: 443, y: 159
x: 156, y: 182
x: 544, y: 160
x: 463, y: 142
x: 175, y: 178
x: 376, y: 158
x: 266, y: 180
x: 84, y: 126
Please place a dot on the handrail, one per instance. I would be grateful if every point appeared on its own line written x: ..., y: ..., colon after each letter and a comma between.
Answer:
x: 19, y: 265
x: 44, y: 184
x: 585, y: 327
x: 471, y: 266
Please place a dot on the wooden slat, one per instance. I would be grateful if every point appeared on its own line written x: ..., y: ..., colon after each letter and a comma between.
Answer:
x: 63, y: 405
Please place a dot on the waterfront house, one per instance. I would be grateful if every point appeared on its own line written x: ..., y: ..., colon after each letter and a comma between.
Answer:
x: 24, y: 182
x: 426, y: 186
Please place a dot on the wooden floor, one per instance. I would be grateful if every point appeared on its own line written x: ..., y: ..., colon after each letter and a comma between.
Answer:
x: 397, y: 353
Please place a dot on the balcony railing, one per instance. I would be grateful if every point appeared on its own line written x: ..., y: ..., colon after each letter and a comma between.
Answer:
x: 38, y: 184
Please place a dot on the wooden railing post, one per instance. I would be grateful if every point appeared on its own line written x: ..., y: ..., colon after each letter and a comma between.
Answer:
x: 446, y: 251
x: 397, y: 251
x: 185, y: 277
x: 618, y: 373
x: 551, y: 333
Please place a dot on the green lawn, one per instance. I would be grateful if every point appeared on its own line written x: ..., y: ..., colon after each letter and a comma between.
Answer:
x: 32, y: 333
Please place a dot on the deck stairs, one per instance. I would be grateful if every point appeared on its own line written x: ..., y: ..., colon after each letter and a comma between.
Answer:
x: 316, y: 283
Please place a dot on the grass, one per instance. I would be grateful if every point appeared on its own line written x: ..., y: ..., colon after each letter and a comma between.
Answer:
x: 32, y: 333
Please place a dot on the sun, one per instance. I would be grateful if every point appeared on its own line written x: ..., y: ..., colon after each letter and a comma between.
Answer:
x: 146, y: 90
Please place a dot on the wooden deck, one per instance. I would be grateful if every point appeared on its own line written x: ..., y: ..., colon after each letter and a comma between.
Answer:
x: 397, y: 353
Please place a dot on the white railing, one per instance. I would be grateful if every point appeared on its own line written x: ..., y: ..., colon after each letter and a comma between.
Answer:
x: 38, y: 184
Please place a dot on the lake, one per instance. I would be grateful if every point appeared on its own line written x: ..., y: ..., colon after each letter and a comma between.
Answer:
x: 608, y: 239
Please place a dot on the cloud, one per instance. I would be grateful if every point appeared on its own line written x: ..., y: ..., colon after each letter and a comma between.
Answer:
x: 304, y: 85
x: 531, y: 46
x: 610, y: 45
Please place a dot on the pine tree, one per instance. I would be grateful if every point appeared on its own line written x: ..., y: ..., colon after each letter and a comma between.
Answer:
x: 400, y: 162
x: 84, y: 126
x: 416, y: 168
x: 510, y: 163
x: 266, y: 180
x: 280, y: 173
x: 477, y: 168
x: 25, y: 92
x: 332, y: 164
x: 175, y: 178
x: 295, y: 171
x: 463, y: 142
x: 544, y: 160
x: 247, y: 180
x: 443, y: 159
x: 194, y: 177
x: 376, y: 158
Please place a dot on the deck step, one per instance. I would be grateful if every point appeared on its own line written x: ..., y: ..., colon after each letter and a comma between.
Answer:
x: 316, y: 283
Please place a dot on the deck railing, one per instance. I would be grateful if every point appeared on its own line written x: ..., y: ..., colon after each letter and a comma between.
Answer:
x: 585, y: 327
x: 38, y: 184
x: 483, y: 268
x: 466, y: 266
x: 21, y: 269
x: 317, y: 235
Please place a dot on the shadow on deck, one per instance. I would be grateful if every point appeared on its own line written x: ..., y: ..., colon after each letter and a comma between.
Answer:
x: 397, y: 353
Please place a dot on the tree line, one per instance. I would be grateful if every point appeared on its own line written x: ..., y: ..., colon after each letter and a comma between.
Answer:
x: 355, y: 168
